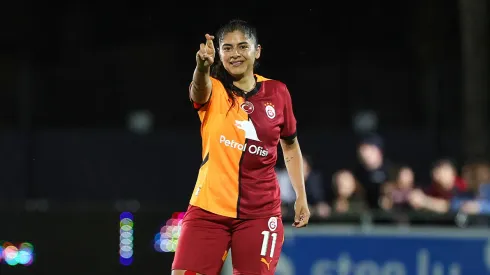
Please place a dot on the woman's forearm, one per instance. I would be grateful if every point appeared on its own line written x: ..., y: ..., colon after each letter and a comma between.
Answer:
x: 293, y: 160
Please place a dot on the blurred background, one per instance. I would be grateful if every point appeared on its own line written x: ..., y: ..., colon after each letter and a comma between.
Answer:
x: 100, y: 146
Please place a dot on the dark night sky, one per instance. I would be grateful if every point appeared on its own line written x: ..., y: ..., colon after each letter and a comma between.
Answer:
x: 88, y: 65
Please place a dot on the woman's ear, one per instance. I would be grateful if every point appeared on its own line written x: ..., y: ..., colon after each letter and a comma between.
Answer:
x: 258, y: 50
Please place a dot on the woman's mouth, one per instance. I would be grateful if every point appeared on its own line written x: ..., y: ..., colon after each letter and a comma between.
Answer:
x: 236, y: 63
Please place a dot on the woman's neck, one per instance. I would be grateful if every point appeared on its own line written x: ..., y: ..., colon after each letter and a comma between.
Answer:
x: 246, y: 83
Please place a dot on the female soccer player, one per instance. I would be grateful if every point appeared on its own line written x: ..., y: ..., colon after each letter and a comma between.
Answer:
x: 236, y: 200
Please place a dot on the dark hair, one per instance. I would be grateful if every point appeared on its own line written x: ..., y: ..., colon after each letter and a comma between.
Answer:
x: 372, y: 139
x: 218, y: 71
x: 445, y: 162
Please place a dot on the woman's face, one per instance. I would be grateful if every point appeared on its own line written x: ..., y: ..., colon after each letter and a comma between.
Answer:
x: 346, y: 184
x: 370, y: 155
x: 405, y: 178
x: 445, y: 176
x: 238, y: 53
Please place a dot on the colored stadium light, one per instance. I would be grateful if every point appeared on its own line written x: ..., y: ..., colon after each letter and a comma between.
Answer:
x: 16, y: 255
x: 166, y: 240
x: 365, y: 122
x: 126, y: 231
x: 140, y: 122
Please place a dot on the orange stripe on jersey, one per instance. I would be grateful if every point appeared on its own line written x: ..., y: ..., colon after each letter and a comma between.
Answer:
x: 261, y: 78
x: 223, y: 142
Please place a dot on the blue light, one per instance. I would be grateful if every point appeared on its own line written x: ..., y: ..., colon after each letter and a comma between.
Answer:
x: 126, y: 215
x: 126, y: 261
x: 126, y: 230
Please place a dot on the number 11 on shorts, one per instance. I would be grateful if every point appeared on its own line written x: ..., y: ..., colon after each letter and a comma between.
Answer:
x: 265, y: 243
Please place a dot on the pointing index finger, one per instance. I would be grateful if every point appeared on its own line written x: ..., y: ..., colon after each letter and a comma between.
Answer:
x: 209, y: 39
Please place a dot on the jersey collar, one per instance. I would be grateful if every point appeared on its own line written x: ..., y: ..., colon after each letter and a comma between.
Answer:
x: 242, y: 93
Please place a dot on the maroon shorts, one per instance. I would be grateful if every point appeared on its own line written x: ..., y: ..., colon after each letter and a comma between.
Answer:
x: 205, y: 239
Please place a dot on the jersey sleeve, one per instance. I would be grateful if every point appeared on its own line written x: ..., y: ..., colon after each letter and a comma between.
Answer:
x: 288, y: 131
x: 198, y: 106
x: 205, y: 110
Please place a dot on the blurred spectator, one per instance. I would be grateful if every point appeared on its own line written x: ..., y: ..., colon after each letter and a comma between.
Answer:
x: 349, y: 196
x: 446, y: 185
x: 396, y: 194
x: 476, y: 174
x: 373, y: 169
x: 478, y: 177
x: 315, y: 189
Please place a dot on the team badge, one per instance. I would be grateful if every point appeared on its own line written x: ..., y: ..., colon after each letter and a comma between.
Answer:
x: 272, y: 224
x: 270, y: 111
x: 248, y: 107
